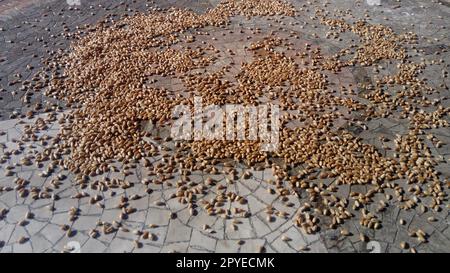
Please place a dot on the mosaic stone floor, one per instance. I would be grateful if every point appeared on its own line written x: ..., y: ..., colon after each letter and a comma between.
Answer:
x: 38, y: 225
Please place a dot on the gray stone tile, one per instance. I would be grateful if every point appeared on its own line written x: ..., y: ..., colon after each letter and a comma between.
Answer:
x: 178, y: 232
x: 227, y: 246
x: 202, y: 241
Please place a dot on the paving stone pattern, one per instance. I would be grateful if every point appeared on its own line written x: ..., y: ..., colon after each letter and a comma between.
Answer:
x: 26, y: 25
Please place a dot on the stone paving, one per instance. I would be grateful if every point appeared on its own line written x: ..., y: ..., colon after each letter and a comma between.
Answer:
x: 88, y: 220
